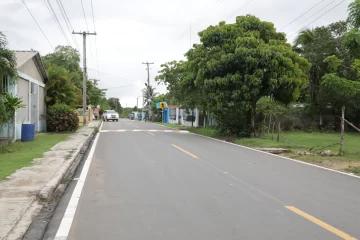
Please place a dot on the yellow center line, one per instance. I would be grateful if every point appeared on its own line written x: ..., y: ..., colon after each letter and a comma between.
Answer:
x: 150, y: 133
x: 321, y: 223
x: 188, y: 153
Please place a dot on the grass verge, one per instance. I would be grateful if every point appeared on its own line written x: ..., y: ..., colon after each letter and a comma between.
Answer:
x: 169, y: 124
x: 349, y: 162
x: 21, y: 154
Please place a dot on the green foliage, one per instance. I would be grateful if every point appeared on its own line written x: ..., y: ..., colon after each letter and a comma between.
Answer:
x: 339, y: 92
x: 7, y: 60
x: 60, y: 89
x: 3, y: 118
x: 333, y: 63
x: 12, y: 103
x: 60, y: 117
x: 149, y: 94
x: 94, y: 94
x: 67, y: 58
x: 66, y: 79
x: 246, y: 61
x: 114, y: 104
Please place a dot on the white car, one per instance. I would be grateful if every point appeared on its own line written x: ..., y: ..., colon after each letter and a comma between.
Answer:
x: 110, y: 115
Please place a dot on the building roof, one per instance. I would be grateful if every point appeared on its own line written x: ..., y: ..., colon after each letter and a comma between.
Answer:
x: 24, y: 56
x: 173, y: 106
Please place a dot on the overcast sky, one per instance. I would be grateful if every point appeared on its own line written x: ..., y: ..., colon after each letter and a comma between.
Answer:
x: 135, y: 31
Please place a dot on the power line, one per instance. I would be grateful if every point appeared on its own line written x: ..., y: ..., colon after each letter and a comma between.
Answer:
x: 96, y: 48
x: 111, y: 75
x: 302, y: 14
x: 52, y: 15
x: 92, y: 10
x: 320, y: 17
x: 82, y: 5
x: 58, y: 22
x: 119, y: 87
x: 68, y: 22
x: 245, y: 4
x: 211, y: 9
x: 38, y: 24
x: 311, y: 16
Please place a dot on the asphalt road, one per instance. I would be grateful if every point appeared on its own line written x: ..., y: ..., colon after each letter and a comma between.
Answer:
x: 160, y: 185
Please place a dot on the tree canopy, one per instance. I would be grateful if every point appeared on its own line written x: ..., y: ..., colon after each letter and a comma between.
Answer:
x: 233, y: 67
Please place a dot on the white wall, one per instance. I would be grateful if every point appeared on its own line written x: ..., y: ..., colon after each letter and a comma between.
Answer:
x: 183, y: 115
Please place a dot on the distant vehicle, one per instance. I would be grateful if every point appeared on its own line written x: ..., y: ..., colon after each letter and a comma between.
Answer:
x: 110, y: 115
x: 131, y: 116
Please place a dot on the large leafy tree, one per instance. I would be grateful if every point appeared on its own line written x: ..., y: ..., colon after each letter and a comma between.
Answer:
x: 69, y: 59
x: 7, y: 59
x: 93, y: 93
x: 115, y: 104
x: 317, y: 45
x: 242, y: 62
x: 60, y: 89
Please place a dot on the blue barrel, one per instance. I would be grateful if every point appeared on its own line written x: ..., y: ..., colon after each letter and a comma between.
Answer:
x: 27, y: 132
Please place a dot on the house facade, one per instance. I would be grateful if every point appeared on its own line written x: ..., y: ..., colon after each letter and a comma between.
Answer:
x: 30, y: 86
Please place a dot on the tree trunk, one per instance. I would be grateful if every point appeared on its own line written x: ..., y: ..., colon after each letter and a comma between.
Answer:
x: 278, y: 136
x: 252, y: 121
x: 192, y: 117
x: 269, y: 123
x: 342, y: 130
x: 273, y: 129
x: 204, y: 114
x: 263, y: 127
x: 320, y: 121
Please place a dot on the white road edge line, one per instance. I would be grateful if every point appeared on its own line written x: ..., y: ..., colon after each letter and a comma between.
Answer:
x: 68, y: 218
x: 294, y: 160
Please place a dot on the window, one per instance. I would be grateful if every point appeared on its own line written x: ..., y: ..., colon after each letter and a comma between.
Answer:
x: 4, y: 87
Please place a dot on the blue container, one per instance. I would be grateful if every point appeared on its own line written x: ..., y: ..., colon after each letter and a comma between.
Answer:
x: 27, y: 132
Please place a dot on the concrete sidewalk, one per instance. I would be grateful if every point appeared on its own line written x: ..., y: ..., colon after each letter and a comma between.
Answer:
x: 23, y: 194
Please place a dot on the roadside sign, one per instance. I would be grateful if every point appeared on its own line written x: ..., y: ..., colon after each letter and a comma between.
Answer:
x: 162, y: 105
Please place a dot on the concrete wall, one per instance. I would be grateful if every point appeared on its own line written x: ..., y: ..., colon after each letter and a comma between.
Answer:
x: 30, y: 69
x: 176, y: 120
x: 22, y: 114
x: 27, y: 73
x: 183, y: 114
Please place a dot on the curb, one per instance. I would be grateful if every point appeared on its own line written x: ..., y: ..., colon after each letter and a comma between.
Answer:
x: 24, y: 221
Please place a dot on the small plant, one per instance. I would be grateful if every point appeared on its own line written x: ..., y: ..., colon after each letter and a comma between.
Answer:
x: 60, y: 117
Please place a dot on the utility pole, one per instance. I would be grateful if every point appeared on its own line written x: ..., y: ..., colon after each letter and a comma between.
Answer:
x: 148, y: 85
x: 84, y: 71
x: 137, y: 104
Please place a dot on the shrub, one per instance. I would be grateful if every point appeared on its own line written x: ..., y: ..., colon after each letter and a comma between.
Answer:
x: 60, y: 117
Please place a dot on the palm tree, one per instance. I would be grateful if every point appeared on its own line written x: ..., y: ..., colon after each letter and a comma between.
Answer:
x: 149, y: 94
x: 7, y: 59
x: 304, y: 38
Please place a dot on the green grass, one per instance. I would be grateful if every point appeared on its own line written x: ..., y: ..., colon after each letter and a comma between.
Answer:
x: 169, y: 124
x: 21, y: 154
x: 349, y: 162
x: 313, y: 140
x: 209, y: 132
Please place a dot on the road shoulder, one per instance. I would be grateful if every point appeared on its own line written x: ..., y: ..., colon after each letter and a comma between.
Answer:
x: 28, y: 190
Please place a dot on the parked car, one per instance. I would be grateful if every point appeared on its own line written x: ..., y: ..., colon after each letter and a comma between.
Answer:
x: 110, y: 115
